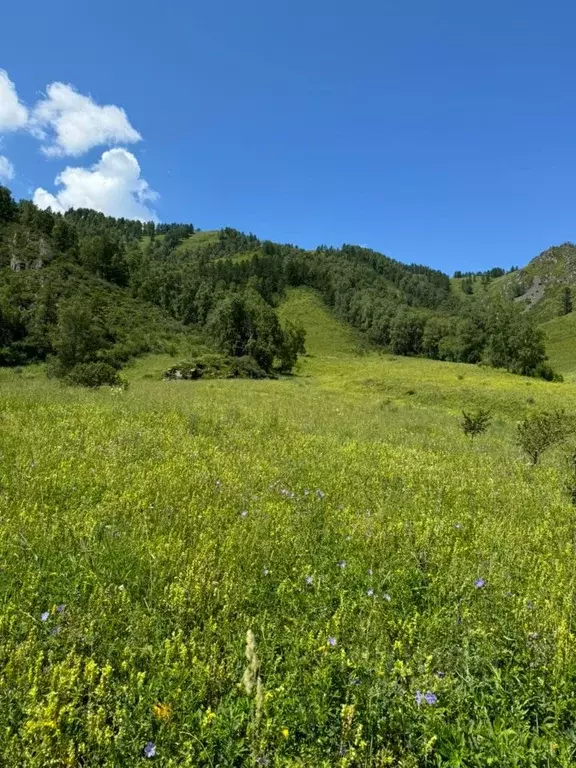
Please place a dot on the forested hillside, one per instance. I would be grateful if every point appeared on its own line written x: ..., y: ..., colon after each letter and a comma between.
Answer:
x: 85, y: 289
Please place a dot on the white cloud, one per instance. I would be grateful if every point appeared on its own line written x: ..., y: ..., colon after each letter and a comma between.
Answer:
x: 13, y: 114
x: 72, y: 124
x: 113, y: 186
x: 6, y: 169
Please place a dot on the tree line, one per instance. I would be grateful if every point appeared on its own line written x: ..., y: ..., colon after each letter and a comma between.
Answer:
x: 230, y: 287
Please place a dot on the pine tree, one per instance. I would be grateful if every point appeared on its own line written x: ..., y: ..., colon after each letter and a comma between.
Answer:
x: 566, y: 301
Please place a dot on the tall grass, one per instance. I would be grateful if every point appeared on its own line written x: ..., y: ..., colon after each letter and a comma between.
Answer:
x: 409, y: 592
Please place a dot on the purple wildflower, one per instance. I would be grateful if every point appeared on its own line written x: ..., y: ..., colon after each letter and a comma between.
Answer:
x: 150, y: 750
x: 419, y: 697
x: 45, y: 616
x: 332, y: 641
x: 61, y: 608
x: 430, y: 698
x: 479, y: 583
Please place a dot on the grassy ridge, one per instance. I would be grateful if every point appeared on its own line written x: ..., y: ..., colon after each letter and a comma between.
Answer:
x: 340, y: 514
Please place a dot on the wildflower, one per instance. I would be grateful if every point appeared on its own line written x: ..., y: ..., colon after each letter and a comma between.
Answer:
x: 458, y: 526
x: 285, y: 733
x: 244, y: 513
x: 419, y: 698
x: 440, y: 675
x: 309, y: 580
x: 306, y: 492
x: 251, y: 676
x: 342, y: 564
x: 533, y: 635
x: 266, y: 571
x: 208, y: 717
x: 55, y: 631
x: 45, y: 616
x: 529, y: 605
x: 386, y: 597
x: 479, y: 583
x: 61, y: 608
x: 355, y: 681
x: 370, y: 592
x: 150, y: 750
x: 332, y: 642
x: 430, y: 698
x: 320, y: 494
x: 162, y: 711
x: 263, y: 760
x: 370, y: 571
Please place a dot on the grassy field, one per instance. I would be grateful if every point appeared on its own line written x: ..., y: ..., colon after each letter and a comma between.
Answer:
x: 410, y: 591
x: 561, y: 345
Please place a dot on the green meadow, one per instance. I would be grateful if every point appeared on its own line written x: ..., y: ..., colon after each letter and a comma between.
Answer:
x: 410, y: 591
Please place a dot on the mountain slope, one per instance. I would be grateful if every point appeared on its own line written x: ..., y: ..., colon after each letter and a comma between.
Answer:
x: 538, y: 286
x: 228, y: 285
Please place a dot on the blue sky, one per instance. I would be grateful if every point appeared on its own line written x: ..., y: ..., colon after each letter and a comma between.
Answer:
x: 438, y: 132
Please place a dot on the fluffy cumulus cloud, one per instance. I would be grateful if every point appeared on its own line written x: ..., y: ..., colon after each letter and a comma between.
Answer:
x: 70, y: 123
x: 113, y: 186
x: 13, y: 114
x: 6, y: 169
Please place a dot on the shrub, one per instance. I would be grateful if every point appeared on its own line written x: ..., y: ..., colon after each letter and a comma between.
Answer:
x: 540, y: 431
x: 546, y: 372
x: 94, y: 375
x: 475, y: 423
x: 217, y: 367
x: 246, y: 368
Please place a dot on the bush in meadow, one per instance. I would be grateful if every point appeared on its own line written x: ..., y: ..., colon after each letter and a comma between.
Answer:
x: 540, y: 431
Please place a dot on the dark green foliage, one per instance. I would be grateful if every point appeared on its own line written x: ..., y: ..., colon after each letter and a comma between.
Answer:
x: 243, y: 324
x: 78, y: 335
x: 94, y: 375
x: 406, y: 332
x: 475, y: 422
x: 293, y: 344
x: 229, y: 284
x: 566, y: 301
x: 8, y: 208
x: 540, y: 431
x: 514, y: 341
x: 217, y: 367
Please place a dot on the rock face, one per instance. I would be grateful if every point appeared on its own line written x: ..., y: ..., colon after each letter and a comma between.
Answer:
x: 29, y: 252
x: 177, y: 373
x: 534, y: 293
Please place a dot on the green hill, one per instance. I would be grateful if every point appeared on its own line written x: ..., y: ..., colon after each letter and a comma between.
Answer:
x: 538, y: 286
x: 227, y: 286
